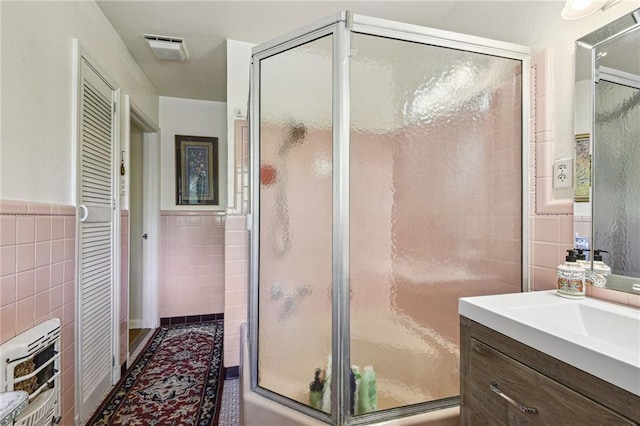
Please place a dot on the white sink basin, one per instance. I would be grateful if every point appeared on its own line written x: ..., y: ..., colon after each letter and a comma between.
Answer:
x: 598, y: 337
x: 617, y: 328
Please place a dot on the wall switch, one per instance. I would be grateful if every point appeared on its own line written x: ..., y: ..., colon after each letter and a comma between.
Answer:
x: 563, y: 173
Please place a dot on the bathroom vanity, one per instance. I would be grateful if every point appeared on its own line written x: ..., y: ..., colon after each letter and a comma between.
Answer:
x: 535, y: 358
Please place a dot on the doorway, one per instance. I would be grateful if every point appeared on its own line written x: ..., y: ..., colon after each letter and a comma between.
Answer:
x: 136, y: 236
x: 143, y: 202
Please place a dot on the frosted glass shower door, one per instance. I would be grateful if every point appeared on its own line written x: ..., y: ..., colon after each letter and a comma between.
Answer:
x: 295, y: 219
x: 616, y: 179
x: 435, y: 207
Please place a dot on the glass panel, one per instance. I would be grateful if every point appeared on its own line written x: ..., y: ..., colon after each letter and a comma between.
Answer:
x: 616, y: 186
x: 295, y: 268
x: 435, y: 208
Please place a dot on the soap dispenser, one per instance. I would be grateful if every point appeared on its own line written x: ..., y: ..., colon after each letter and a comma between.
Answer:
x: 581, y: 258
x: 599, y: 267
x: 571, y: 277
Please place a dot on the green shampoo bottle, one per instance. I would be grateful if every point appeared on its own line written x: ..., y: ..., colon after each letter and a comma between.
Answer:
x: 315, y: 391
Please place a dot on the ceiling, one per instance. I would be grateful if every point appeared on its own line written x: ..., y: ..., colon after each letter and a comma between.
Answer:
x: 206, y: 25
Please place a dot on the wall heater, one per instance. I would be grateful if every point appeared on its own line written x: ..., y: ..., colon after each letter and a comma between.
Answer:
x: 31, y: 362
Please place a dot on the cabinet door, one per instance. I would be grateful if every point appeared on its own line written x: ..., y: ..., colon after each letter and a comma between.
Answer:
x: 498, y: 384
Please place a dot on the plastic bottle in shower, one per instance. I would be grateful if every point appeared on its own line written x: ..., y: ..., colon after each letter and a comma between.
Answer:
x: 355, y: 390
x: 326, y: 389
x: 363, y: 396
x: 315, y: 391
x: 368, y: 394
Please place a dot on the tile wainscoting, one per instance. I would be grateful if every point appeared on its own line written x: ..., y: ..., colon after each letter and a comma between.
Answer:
x: 192, y: 264
x: 37, y: 277
x: 236, y: 286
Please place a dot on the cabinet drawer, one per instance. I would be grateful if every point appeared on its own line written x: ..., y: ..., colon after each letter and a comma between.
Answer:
x: 554, y: 404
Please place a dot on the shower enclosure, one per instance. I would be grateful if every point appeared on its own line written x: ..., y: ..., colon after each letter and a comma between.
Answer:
x: 387, y: 173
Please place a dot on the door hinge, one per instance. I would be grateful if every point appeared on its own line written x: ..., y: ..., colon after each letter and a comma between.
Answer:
x: 113, y: 360
x: 114, y: 107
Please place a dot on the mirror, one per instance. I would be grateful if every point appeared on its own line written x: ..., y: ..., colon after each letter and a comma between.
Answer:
x: 607, y: 128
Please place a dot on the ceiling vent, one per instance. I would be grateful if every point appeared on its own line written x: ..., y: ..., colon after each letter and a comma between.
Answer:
x: 167, y: 48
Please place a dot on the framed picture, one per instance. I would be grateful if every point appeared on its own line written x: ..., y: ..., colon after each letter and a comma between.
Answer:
x: 197, y: 170
x: 583, y: 168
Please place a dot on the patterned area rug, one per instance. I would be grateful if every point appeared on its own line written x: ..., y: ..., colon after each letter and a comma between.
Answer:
x: 175, y: 381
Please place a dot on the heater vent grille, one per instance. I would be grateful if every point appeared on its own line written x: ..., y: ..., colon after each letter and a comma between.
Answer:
x: 31, y: 362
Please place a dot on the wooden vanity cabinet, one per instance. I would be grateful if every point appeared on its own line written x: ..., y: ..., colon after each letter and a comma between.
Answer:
x: 504, y: 382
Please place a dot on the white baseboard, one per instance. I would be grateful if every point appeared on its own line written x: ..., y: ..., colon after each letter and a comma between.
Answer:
x: 135, y: 323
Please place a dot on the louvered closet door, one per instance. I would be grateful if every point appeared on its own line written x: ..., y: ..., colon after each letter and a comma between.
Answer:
x: 96, y: 240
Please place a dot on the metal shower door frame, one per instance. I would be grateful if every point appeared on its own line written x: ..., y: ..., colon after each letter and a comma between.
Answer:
x: 341, y: 26
x: 326, y: 27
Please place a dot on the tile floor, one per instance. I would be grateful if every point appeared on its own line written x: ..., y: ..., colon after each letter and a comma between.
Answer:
x: 230, y: 407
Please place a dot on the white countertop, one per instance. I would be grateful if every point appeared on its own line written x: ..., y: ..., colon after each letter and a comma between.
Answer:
x: 596, y: 336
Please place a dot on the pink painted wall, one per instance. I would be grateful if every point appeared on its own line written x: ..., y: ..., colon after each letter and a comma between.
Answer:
x: 124, y: 285
x: 37, y: 277
x: 191, y: 275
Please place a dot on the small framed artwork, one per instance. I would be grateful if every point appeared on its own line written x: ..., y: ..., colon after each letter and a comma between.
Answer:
x: 197, y: 170
x: 583, y: 168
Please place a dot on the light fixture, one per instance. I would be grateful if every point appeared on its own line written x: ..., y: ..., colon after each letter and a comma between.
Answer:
x: 167, y: 48
x: 576, y: 9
